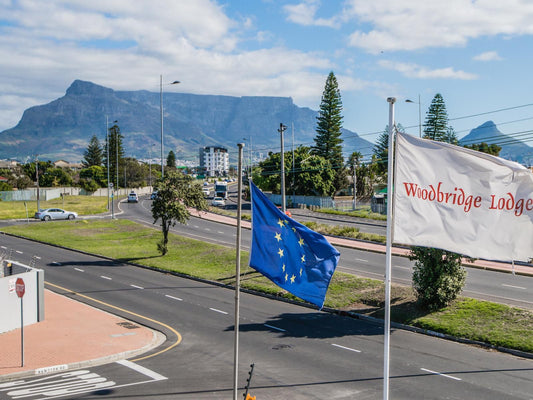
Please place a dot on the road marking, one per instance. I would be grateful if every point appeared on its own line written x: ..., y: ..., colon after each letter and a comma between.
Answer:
x: 79, y: 269
x: 514, y: 287
x: 137, y: 287
x: 145, y: 371
x: 400, y: 267
x: 19, y: 252
x: 220, y: 232
x: 274, y: 327
x: 56, y: 263
x: 218, y: 311
x: 3, y: 247
x: 207, y: 229
x: 361, y: 259
x: 106, y: 277
x: 175, y: 332
x: 172, y: 297
x: 346, y: 348
x: 37, y: 257
x: 441, y: 374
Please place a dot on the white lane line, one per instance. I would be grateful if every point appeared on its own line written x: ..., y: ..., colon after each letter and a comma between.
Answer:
x: 361, y: 259
x: 275, y: 327
x: 37, y: 257
x: 145, y: 371
x: 207, y: 229
x: 55, y: 263
x: 345, y: 348
x: 19, y: 252
x: 218, y: 311
x: 220, y: 232
x: 173, y: 298
x: 400, y: 267
x: 106, y: 277
x: 137, y: 287
x: 514, y: 287
x: 79, y: 269
x: 3, y: 247
x: 438, y: 373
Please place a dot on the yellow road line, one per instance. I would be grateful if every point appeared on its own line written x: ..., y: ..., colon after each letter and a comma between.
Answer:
x: 178, y: 341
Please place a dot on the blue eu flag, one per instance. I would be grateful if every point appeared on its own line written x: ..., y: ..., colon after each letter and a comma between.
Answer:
x: 288, y: 253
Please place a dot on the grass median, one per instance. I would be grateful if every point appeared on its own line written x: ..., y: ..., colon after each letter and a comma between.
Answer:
x: 492, y: 323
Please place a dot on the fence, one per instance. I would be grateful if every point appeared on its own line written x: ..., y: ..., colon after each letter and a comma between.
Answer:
x: 46, y: 194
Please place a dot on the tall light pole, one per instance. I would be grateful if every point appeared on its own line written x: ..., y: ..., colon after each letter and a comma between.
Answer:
x: 37, y: 174
x: 107, y: 157
x: 161, y: 112
x: 419, y: 114
x: 281, y: 130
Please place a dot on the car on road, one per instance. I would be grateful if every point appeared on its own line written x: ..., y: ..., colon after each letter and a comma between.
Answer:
x: 218, y: 202
x: 206, y: 191
x: 133, y: 198
x: 55, y: 213
x: 153, y: 195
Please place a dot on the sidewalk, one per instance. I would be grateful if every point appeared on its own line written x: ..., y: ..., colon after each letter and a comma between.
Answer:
x: 72, y: 335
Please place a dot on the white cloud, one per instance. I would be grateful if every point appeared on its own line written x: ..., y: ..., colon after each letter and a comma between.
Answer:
x: 418, y: 24
x: 488, y: 56
x: 417, y: 71
x: 304, y: 14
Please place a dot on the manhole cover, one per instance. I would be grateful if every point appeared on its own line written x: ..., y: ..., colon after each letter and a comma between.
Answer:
x: 127, y: 325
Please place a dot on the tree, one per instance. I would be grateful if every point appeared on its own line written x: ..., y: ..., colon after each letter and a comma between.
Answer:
x: 381, y: 149
x: 493, y: 149
x: 176, y: 193
x: 116, y: 152
x: 96, y: 174
x: 54, y: 177
x: 328, y: 141
x: 436, y: 125
x: 438, y: 276
x: 93, y: 155
x: 313, y: 175
x: 171, y: 160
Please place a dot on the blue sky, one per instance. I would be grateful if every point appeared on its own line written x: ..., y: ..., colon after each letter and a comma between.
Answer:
x: 477, y: 54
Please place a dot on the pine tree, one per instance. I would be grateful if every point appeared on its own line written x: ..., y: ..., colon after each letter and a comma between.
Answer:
x: 328, y: 141
x: 436, y: 125
x: 93, y: 155
x: 171, y: 160
x: 116, y: 153
x: 381, y: 149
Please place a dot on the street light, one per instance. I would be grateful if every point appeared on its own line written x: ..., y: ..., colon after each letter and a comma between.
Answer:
x: 37, y: 174
x: 161, y: 111
x: 419, y: 114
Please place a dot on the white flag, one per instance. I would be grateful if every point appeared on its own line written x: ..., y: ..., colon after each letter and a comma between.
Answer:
x: 462, y: 200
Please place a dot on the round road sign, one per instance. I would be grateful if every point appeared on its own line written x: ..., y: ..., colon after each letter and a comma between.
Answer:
x: 20, y: 288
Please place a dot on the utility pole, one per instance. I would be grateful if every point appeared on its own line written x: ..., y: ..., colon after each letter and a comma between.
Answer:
x: 354, y: 186
x: 283, y: 204
x: 37, y: 174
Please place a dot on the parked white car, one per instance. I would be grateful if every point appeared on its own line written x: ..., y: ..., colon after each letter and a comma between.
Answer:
x: 55, y: 213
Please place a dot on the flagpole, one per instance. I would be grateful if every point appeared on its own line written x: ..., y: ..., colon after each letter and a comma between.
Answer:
x: 386, y: 345
x: 237, y: 276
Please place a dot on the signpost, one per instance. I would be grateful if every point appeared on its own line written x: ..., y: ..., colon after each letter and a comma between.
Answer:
x: 20, y: 288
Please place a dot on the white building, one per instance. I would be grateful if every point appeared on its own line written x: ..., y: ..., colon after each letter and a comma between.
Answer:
x: 214, y: 161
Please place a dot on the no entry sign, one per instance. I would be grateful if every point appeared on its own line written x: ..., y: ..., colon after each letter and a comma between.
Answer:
x: 20, y: 288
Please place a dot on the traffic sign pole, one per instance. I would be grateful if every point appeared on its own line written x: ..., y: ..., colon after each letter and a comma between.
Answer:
x: 20, y: 288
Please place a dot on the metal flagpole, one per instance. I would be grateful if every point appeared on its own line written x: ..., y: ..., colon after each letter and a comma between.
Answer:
x: 388, y: 257
x: 237, y: 276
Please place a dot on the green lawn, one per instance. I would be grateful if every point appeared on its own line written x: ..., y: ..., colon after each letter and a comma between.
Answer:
x: 83, y: 205
x: 127, y: 241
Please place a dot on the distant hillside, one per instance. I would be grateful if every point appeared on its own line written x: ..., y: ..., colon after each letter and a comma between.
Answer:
x: 62, y: 128
x: 512, y: 149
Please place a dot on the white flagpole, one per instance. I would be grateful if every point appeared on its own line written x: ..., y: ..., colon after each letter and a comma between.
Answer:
x: 237, y: 277
x: 386, y: 344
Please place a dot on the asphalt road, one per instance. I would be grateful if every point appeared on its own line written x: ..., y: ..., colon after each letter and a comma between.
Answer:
x: 299, y: 353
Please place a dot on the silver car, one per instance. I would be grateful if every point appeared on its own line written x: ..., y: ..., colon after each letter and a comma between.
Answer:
x: 55, y: 213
